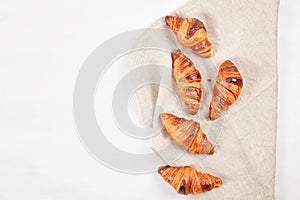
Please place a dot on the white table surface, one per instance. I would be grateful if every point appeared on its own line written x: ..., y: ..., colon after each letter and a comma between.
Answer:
x: 42, y: 47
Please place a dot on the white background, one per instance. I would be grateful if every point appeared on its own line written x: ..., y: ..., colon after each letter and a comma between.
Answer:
x: 42, y: 47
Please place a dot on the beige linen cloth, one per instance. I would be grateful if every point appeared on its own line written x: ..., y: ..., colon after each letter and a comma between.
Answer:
x: 245, y: 137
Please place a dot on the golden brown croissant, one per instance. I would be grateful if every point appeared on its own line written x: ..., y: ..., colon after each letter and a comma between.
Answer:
x: 187, y: 134
x: 227, y: 89
x: 188, y: 80
x: 186, y: 180
x: 191, y: 33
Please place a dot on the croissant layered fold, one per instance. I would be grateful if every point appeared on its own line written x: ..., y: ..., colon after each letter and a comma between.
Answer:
x: 191, y: 33
x: 229, y: 84
x: 186, y: 180
x: 188, y: 80
x: 187, y: 134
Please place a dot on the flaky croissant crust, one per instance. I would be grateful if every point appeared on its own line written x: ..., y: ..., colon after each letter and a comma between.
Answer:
x: 229, y: 84
x: 186, y: 180
x: 188, y: 80
x: 187, y: 134
x: 191, y: 33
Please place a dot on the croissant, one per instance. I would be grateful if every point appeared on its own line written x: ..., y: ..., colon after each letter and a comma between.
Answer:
x: 191, y: 33
x: 187, y: 133
x: 188, y: 80
x: 186, y: 180
x: 229, y: 84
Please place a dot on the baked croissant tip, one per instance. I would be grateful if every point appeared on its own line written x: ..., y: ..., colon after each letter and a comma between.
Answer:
x: 211, y: 117
x: 175, y: 54
x: 167, y: 20
x: 162, y: 116
x: 177, y: 51
x: 212, y: 53
x: 194, y: 112
x: 208, y: 55
x: 212, y: 151
x: 218, y: 182
x: 162, y: 169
